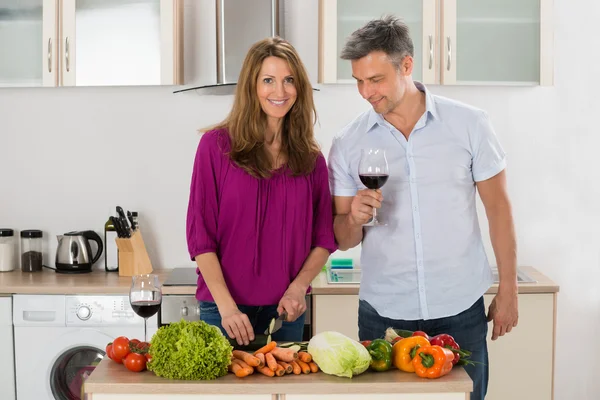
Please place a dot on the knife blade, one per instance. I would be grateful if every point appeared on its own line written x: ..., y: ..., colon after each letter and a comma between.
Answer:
x: 276, y: 323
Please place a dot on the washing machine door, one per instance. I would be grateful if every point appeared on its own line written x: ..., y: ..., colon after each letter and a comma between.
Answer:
x: 71, y: 369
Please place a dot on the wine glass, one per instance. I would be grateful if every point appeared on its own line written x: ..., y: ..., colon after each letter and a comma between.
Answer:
x: 373, y: 171
x: 145, y: 297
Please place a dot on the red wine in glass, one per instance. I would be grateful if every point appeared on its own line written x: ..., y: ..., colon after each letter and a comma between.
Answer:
x: 373, y: 172
x: 145, y: 309
x: 145, y: 297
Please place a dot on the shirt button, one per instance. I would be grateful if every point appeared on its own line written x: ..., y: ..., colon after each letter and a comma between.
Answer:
x: 418, y: 236
x: 415, y: 208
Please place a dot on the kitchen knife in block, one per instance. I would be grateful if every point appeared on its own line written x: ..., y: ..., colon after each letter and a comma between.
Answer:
x: 133, y: 257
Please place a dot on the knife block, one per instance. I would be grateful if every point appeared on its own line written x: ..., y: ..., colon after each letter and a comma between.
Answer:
x: 133, y: 257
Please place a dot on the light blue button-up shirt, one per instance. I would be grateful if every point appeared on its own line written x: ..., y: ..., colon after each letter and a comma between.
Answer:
x: 429, y: 261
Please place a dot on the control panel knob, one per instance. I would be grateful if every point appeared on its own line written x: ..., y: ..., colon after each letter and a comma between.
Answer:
x: 184, y: 311
x: 84, y: 313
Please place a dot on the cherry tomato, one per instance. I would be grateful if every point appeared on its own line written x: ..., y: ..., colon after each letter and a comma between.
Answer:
x: 111, y: 354
x: 135, y: 362
x: 121, y: 347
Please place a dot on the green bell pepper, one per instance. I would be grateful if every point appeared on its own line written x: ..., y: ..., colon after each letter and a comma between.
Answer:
x: 381, y: 355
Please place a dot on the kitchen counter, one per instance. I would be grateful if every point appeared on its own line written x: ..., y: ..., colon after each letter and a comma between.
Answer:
x: 111, y: 381
x: 50, y: 282
x: 543, y: 284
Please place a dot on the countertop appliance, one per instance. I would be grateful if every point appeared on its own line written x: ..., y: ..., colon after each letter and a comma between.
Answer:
x: 7, y: 360
x: 74, y: 253
x: 59, y: 340
x: 174, y: 307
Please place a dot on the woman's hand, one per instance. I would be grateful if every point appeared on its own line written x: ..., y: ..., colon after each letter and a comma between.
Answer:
x: 237, y: 325
x: 293, y: 302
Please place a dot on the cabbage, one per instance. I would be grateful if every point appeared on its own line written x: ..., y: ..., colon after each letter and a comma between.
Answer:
x: 339, y: 355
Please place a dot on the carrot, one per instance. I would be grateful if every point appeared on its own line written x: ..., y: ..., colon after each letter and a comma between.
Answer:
x: 287, y: 367
x: 271, y: 363
x: 313, y: 367
x: 296, y: 368
x: 280, y: 370
x: 261, y: 357
x: 286, y: 355
x: 266, y: 348
x: 243, y: 365
x: 238, y: 370
x: 247, y: 358
x: 304, y: 366
x: 304, y: 356
x: 265, y: 371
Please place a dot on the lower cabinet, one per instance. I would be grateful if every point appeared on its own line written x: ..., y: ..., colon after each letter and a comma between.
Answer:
x: 521, y: 362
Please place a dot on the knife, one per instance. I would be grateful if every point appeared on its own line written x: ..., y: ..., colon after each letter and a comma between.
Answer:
x: 115, y: 222
x: 123, y: 222
x: 276, y: 323
x: 130, y: 218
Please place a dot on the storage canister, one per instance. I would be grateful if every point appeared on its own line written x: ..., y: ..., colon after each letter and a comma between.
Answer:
x: 8, y: 250
x: 31, y: 250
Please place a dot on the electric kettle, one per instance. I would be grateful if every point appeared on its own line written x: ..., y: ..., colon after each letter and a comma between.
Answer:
x: 74, y: 253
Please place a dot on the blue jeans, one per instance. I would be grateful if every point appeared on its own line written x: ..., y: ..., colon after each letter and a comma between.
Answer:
x: 469, y: 329
x: 260, y: 317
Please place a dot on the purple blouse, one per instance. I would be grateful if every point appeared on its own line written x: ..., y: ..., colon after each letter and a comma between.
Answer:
x: 262, y: 230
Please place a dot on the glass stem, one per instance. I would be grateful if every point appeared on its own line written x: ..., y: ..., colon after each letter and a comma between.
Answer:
x: 374, y: 215
x: 145, y: 329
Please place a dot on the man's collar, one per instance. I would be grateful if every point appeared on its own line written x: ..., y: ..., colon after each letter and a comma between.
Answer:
x: 430, y: 108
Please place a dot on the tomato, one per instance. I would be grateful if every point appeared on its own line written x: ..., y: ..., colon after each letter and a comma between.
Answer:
x: 111, y: 354
x: 148, y: 357
x: 366, y: 343
x: 121, y: 347
x: 135, y: 362
x: 143, y: 346
x: 134, y: 342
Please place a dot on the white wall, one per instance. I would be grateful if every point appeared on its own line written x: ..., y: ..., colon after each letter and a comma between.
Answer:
x: 55, y: 173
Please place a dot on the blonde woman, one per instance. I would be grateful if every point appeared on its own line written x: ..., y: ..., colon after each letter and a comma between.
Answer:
x: 260, y: 224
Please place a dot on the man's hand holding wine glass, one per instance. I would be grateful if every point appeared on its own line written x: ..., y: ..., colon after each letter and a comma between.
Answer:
x: 361, y: 210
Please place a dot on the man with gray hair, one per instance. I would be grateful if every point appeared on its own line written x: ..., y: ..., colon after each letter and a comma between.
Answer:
x: 426, y: 268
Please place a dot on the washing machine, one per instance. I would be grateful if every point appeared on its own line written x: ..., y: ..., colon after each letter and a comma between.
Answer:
x: 60, y: 339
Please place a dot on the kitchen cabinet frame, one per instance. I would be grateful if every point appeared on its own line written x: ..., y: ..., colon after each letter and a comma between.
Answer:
x: 439, y: 50
x: 59, y: 42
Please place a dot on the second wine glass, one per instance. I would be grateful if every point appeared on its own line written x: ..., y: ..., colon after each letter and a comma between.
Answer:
x: 145, y: 297
x: 373, y: 172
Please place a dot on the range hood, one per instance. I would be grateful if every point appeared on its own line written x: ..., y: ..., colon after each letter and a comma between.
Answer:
x: 240, y: 24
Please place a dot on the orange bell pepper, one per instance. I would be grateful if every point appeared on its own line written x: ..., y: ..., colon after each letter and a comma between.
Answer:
x: 433, y: 361
x: 404, y: 351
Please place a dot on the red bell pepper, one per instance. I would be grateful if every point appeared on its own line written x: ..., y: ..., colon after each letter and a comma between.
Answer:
x: 421, y: 333
x: 446, y: 341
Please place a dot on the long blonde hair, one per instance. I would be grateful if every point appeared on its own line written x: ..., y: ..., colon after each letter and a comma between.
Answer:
x: 247, y: 122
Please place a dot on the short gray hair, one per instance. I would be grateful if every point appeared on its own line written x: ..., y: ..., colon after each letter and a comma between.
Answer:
x: 388, y: 34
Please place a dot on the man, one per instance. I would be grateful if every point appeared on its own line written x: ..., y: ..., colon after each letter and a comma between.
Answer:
x: 426, y: 269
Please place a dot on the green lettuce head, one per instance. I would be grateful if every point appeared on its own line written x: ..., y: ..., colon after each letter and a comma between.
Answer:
x: 339, y: 355
x: 189, y: 351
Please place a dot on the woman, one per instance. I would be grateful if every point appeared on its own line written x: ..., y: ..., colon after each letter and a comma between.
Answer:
x: 259, y: 222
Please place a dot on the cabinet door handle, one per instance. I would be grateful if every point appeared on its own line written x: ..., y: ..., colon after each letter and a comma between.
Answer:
x: 50, y: 55
x: 274, y: 18
x: 430, y: 51
x: 449, y: 59
x: 67, y: 55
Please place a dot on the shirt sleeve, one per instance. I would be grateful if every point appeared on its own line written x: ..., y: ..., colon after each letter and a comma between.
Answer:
x: 340, y: 180
x: 489, y: 158
x: 323, y: 209
x: 203, y: 203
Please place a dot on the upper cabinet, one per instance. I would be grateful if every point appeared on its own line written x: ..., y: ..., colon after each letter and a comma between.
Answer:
x: 90, y: 42
x: 463, y: 42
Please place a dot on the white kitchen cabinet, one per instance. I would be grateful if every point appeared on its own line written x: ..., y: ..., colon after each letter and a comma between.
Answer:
x: 524, y: 357
x: 90, y: 42
x: 7, y: 361
x: 466, y: 42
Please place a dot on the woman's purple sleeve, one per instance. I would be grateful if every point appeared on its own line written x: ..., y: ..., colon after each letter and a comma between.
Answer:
x: 323, y: 235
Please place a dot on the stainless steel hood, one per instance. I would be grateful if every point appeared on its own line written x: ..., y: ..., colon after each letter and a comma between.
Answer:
x: 239, y: 24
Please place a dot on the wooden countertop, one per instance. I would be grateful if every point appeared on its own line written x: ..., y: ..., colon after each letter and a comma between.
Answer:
x: 110, y: 377
x: 50, y: 282
x: 543, y: 285
x: 100, y: 282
